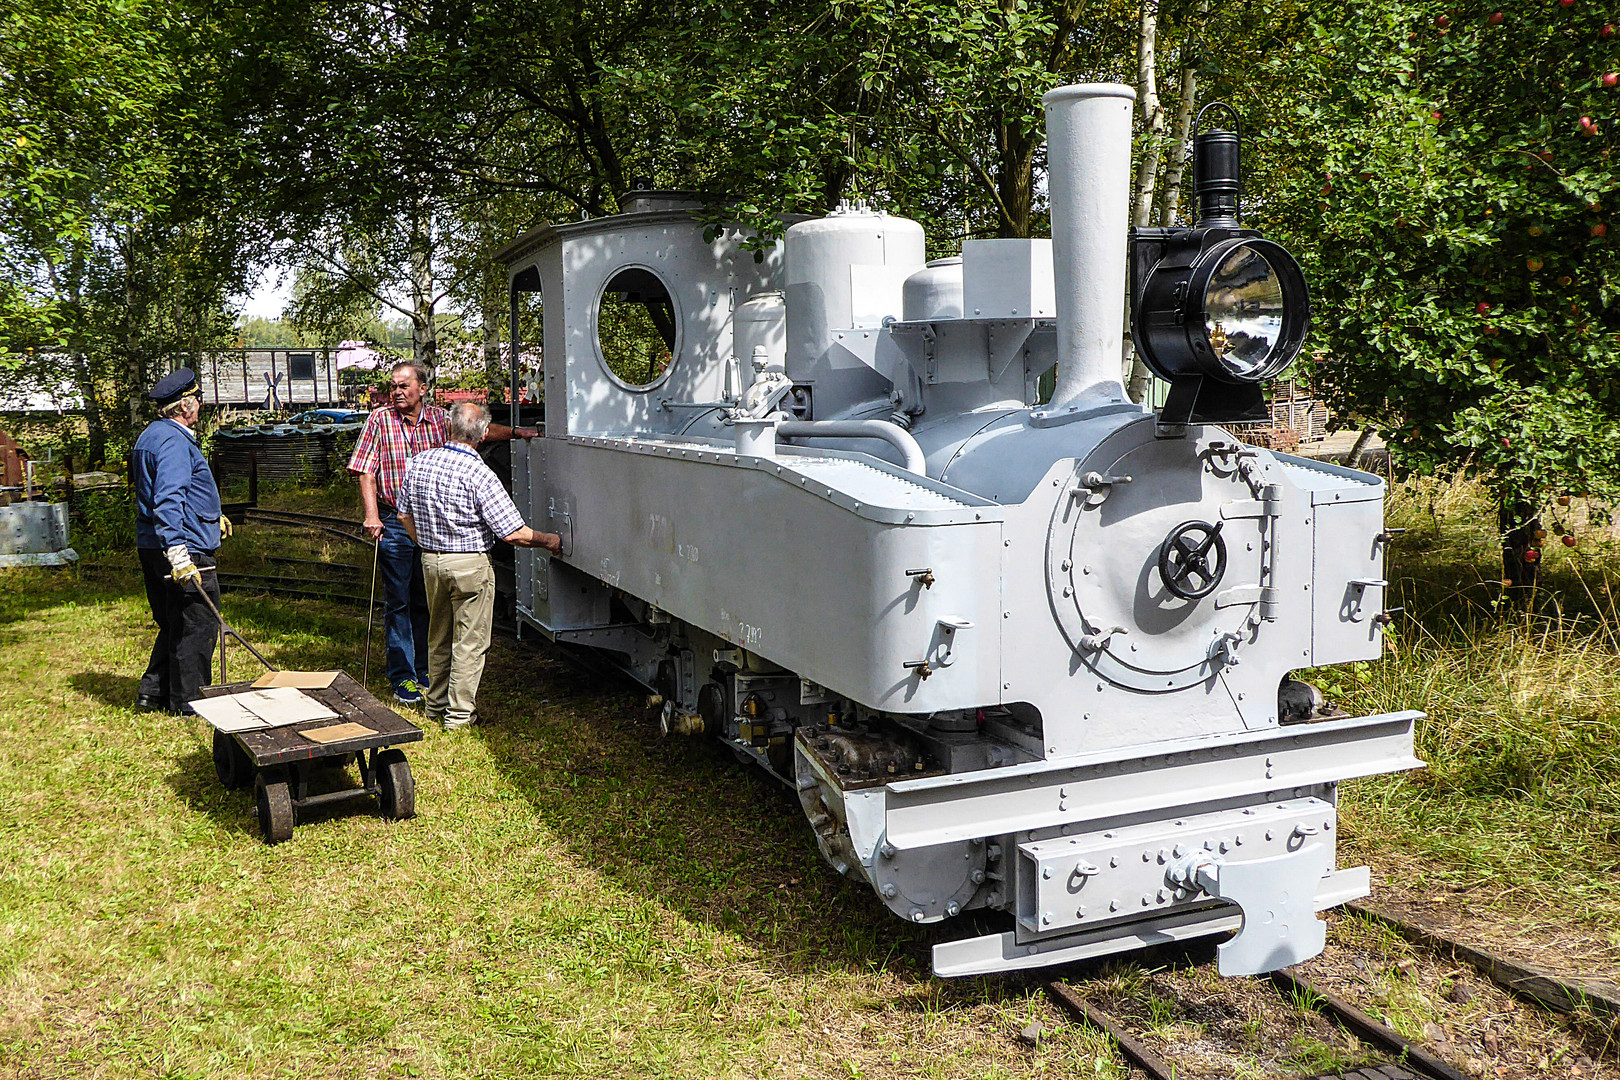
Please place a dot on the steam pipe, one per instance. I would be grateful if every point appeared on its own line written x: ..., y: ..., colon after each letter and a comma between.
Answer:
x: 892, y: 434
x: 1088, y: 147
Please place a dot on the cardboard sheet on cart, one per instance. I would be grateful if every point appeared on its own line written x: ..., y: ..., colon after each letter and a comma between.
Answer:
x: 253, y: 709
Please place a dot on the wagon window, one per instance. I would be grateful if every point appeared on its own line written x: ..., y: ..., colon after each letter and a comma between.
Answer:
x: 637, y: 331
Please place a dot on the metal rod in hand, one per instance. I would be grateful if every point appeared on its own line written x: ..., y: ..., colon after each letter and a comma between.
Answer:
x: 226, y: 628
x: 371, y: 614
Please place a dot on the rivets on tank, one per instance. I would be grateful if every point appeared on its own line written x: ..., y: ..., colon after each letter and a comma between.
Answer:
x: 890, y: 890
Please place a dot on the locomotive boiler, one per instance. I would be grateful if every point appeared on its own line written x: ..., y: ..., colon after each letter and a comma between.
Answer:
x: 1032, y: 657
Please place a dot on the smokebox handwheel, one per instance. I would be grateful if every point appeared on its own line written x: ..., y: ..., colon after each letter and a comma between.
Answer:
x: 1192, y: 559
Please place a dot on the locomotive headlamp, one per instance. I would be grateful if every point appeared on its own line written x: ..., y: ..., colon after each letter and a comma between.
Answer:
x: 1216, y: 309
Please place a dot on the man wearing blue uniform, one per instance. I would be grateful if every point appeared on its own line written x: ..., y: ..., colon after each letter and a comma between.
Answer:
x: 178, y: 527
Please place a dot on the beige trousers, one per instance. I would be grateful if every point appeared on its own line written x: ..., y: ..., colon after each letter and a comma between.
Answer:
x: 461, y: 610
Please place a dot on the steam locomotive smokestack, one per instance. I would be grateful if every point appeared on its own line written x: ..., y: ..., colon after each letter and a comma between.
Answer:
x: 1088, y: 147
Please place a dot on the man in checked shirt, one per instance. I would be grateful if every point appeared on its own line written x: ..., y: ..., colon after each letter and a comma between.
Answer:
x: 393, y: 435
x: 453, y: 506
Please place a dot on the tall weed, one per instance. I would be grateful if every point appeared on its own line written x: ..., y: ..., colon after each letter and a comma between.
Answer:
x: 1522, y: 735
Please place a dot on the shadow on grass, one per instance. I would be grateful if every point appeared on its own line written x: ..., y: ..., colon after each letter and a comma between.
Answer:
x: 681, y: 822
x: 107, y: 687
x: 198, y: 787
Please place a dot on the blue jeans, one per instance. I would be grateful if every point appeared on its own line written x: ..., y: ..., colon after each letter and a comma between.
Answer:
x: 405, y: 610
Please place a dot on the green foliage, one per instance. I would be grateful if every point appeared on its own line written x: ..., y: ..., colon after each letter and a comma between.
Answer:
x: 103, y: 521
x: 115, y: 253
x: 1430, y: 167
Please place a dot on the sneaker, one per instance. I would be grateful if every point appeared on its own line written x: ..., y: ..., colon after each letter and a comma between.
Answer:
x: 457, y: 725
x: 408, y: 692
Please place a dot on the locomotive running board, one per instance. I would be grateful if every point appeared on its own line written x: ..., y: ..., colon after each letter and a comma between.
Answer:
x: 994, y: 953
x: 1167, y: 780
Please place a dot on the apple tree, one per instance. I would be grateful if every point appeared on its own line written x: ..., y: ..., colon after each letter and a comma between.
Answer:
x: 1447, y: 173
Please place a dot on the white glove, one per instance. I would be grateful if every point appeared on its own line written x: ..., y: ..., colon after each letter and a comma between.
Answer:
x: 184, y: 569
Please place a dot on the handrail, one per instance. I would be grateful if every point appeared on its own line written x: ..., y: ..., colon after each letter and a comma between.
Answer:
x: 893, y: 434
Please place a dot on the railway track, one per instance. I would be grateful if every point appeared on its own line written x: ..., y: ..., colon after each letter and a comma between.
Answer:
x: 343, y: 528
x: 1412, y: 1062
x: 1594, y: 1005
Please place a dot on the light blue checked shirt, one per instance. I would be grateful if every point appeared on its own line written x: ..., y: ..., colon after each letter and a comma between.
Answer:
x: 455, y: 501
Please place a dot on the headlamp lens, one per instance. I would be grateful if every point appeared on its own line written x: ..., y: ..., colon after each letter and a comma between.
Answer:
x: 1243, y: 312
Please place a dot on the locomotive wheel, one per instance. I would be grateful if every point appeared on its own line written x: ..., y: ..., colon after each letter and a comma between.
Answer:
x: 231, y: 764
x: 275, y: 805
x: 397, y: 798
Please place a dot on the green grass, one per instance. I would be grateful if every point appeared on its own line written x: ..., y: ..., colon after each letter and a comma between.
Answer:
x: 574, y: 899
x: 578, y: 897
x: 1523, y: 730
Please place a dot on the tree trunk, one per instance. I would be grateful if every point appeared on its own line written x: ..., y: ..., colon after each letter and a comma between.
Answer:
x: 95, y: 428
x: 424, y: 328
x: 1522, y: 534
x: 1180, y: 142
x: 136, y: 372
x: 1147, y: 93
x: 1361, y: 442
x: 1015, y: 181
x: 1148, y: 170
x: 494, y: 371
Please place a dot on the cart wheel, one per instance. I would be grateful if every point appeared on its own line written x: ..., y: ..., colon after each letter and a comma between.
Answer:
x: 397, y: 798
x: 231, y: 764
x: 275, y: 806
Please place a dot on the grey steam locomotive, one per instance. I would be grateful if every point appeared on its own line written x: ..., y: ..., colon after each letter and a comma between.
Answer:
x: 1020, y: 656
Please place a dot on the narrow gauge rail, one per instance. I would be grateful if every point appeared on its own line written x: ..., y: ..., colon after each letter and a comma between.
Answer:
x: 1600, y: 1000
x: 1576, y: 997
x: 343, y: 528
x: 1414, y: 1062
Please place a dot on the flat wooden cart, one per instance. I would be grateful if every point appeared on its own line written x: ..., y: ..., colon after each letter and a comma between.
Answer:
x: 279, y: 762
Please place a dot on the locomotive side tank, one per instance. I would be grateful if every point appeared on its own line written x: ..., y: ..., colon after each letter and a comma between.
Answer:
x: 1013, y: 656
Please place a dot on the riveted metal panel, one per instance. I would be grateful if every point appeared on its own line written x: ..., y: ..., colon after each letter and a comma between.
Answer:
x: 779, y: 557
x: 1093, y: 877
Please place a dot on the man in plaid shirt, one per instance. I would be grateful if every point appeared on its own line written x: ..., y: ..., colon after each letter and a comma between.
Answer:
x: 454, y: 507
x: 394, y: 434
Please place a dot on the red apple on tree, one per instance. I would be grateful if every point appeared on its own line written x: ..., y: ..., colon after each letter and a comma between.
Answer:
x: 1610, y: 80
x: 1533, y: 264
x: 1607, y: 30
x: 1442, y: 22
x: 1482, y: 308
x: 1600, y: 230
x: 1569, y: 541
x: 1494, y: 18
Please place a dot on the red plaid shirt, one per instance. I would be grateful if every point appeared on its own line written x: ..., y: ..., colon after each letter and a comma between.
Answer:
x: 388, y: 441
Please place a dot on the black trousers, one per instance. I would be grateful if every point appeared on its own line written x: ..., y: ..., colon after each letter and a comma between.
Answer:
x: 187, y: 631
